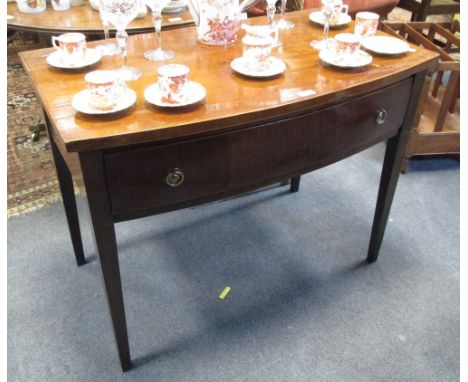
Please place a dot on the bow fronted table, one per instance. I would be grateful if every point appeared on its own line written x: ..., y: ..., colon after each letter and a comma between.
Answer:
x: 246, y: 134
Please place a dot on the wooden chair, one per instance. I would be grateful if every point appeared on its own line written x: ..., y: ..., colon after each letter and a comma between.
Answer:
x: 436, y: 129
x: 423, y: 8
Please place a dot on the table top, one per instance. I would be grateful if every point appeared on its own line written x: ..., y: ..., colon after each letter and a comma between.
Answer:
x: 232, y: 100
x: 84, y: 19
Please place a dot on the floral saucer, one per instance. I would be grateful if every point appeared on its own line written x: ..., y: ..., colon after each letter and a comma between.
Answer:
x: 80, y: 103
x: 319, y: 18
x: 91, y: 57
x: 195, y: 93
x: 175, y: 6
x: 240, y: 66
x: 358, y: 60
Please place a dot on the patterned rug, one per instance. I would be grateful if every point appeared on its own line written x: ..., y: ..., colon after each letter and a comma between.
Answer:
x: 32, y: 181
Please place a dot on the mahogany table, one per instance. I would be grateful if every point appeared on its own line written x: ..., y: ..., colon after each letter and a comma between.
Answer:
x: 84, y: 19
x: 247, y: 134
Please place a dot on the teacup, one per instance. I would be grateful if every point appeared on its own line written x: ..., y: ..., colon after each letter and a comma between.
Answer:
x: 346, y: 45
x: 257, y: 46
x: 366, y: 24
x: 339, y: 9
x: 104, y: 89
x: 173, y: 80
x: 27, y: 6
x: 72, y: 47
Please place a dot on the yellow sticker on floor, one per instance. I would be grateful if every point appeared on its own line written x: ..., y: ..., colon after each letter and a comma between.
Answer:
x: 224, y: 293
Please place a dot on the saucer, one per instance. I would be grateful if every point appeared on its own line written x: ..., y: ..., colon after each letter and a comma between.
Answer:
x: 176, y: 3
x: 318, y: 18
x: 385, y: 45
x: 277, y: 67
x: 196, y: 93
x: 170, y: 9
x: 175, y: 6
x: 359, y: 60
x: 80, y: 103
x: 91, y: 57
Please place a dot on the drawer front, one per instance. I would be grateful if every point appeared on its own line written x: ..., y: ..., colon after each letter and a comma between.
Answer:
x: 168, y: 175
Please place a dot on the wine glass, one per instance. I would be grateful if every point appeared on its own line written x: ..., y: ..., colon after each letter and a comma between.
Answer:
x: 271, y: 9
x: 107, y: 49
x: 283, y: 23
x: 327, y: 10
x: 158, y: 54
x: 120, y: 13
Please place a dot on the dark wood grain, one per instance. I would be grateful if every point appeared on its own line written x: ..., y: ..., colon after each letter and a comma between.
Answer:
x: 106, y: 246
x: 423, y: 8
x: 229, y: 162
x: 68, y: 196
x: 393, y: 160
x: 247, y: 133
x: 295, y: 182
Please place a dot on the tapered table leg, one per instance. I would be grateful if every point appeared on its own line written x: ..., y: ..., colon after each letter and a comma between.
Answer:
x: 295, y: 184
x: 394, y: 156
x: 388, y: 181
x: 65, y: 181
x: 92, y: 167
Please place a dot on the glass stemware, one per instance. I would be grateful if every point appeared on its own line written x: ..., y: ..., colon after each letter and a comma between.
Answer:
x: 120, y: 13
x: 158, y: 54
x: 283, y: 23
x: 107, y: 49
x: 271, y: 9
x: 328, y: 9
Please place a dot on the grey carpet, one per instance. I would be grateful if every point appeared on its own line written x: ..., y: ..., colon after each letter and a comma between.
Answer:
x: 303, y: 306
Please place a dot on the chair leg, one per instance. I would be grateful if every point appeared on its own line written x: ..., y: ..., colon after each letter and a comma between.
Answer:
x: 437, y: 83
x: 455, y: 98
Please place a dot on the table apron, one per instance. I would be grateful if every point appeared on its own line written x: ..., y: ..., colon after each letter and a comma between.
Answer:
x: 164, y: 177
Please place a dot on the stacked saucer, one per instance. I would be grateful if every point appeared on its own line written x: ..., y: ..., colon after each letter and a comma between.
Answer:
x: 175, y: 6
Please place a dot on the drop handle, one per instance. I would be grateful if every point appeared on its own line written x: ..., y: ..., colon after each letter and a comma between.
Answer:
x: 380, y: 116
x: 175, y: 177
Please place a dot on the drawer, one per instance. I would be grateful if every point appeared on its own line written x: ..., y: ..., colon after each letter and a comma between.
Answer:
x: 175, y: 174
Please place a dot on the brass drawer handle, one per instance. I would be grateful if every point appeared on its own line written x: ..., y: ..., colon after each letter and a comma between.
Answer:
x: 175, y: 177
x: 380, y: 116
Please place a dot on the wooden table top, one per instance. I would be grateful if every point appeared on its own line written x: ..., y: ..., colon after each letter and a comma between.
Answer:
x: 231, y: 101
x: 84, y: 19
